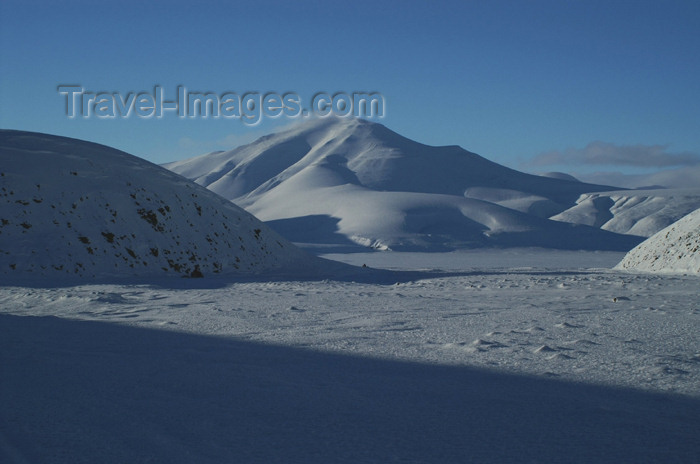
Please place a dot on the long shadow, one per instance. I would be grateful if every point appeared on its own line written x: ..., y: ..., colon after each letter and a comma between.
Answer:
x: 319, y: 269
x: 74, y: 391
x: 314, y: 228
x: 359, y: 275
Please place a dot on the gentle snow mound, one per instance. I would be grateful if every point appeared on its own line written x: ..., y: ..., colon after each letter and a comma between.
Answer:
x: 560, y: 175
x: 74, y: 209
x: 675, y: 249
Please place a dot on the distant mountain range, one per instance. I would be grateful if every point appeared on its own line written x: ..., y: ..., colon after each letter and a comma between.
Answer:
x: 339, y: 183
x: 71, y: 210
x: 635, y: 212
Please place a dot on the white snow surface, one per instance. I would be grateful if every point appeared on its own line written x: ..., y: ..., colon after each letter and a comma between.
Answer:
x: 71, y: 209
x: 353, y: 182
x: 481, y: 356
x: 485, y: 355
x: 635, y: 212
x: 675, y: 249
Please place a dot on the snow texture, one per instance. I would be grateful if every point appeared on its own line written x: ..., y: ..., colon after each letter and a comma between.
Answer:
x: 675, y: 249
x: 473, y: 363
x: 350, y: 182
x: 490, y: 356
x: 636, y: 212
x: 71, y: 209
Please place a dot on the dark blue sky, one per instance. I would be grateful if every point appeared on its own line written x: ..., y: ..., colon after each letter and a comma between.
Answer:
x: 510, y: 80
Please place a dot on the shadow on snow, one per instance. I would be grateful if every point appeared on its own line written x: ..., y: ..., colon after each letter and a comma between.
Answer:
x: 76, y: 391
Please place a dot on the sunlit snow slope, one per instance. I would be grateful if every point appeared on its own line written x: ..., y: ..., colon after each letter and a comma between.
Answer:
x: 635, y: 212
x: 70, y: 208
x: 354, y: 182
x: 675, y: 249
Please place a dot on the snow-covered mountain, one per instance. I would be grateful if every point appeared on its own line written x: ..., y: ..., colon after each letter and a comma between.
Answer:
x: 635, y: 212
x: 74, y: 209
x: 350, y: 182
x: 675, y: 249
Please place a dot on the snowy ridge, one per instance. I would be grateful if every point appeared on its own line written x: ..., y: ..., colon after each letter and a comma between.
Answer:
x: 74, y: 209
x: 675, y: 249
x: 560, y: 175
x: 635, y: 212
x: 351, y: 182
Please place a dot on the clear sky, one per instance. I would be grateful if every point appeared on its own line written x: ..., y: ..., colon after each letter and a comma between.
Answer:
x: 537, y: 85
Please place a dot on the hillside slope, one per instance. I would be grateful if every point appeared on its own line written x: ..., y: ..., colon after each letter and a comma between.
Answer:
x: 675, y: 249
x: 354, y: 182
x: 636, y: 212
x: 74, y: 209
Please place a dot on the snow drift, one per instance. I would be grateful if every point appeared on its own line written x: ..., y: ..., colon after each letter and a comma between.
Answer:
x: 675, y: 249
x: 354, y: 182
x: 70, y: 208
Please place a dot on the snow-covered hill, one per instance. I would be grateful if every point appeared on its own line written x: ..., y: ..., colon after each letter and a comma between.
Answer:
x: 74, y: 209
x: 354, y: 182
x: 635, y: 212
x: 560, y: 175
x: 675, y: 249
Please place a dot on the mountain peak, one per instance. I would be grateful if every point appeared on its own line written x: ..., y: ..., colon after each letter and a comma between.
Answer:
x: 351, y: 181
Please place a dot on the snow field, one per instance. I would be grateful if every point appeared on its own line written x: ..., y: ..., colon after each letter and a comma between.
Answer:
x: 487, y: 364
x: 587, y: 326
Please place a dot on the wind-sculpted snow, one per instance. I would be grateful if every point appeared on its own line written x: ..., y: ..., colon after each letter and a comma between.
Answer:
x: 636, y: 212
x: 74, y: 209
x: 352, y: 182
x: 675, y: 249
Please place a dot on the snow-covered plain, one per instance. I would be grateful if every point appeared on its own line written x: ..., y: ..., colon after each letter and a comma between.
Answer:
x: 480, y: 356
